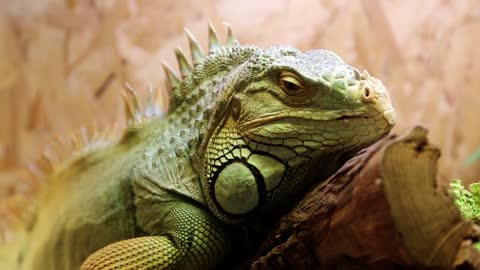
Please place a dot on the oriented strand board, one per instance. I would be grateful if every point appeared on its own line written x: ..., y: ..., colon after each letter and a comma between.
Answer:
x: 64, y: 62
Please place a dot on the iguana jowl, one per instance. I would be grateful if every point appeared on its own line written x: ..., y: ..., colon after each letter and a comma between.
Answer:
x: 248, y: 129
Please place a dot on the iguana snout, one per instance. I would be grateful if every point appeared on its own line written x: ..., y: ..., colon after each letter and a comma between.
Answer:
x: 374, y: 93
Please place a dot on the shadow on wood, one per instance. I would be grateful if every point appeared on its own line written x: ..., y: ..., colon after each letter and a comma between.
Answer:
x: 382, y: 210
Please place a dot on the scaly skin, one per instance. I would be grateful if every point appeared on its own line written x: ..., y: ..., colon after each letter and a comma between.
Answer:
x: 249, y: 129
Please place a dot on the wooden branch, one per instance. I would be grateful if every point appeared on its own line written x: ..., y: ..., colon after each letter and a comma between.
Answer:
x: 382, y: 210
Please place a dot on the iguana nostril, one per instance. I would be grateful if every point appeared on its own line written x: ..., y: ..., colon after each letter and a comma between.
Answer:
x: 367, y: 95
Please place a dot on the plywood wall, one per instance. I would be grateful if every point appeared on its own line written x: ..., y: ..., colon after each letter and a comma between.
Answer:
x: 63, y: 63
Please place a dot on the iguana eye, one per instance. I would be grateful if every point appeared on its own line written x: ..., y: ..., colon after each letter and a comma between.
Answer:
x: 291, y: 84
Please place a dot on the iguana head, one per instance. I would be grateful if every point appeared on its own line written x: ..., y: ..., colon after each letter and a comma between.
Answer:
x: 276, y: 120
x: 284, y: 116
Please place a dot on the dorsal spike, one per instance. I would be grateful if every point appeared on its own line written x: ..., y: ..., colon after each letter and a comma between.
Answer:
x: 75, y: 141
x: 152, y: 109
x: 195, y: 49
x: 34, y: 171
x: 84, y: 135
x: 137, y: 108
x: 230, y: 39
x: 149, y: 108
x: 183, y: 65
x: 49, y: 159
x: 172, y: 81
x: 162, y: 100
x: 96, y: 134
x: 213, y: 43
x: 128, y: 109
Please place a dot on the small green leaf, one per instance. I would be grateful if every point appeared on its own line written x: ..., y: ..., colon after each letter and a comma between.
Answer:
x: 467, y: 201
x: 475, y: 189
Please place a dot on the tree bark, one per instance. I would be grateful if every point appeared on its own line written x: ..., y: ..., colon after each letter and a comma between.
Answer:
x: 382, y: 210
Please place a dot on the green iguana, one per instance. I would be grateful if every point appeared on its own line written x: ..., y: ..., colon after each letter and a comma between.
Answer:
x: 248, y: 129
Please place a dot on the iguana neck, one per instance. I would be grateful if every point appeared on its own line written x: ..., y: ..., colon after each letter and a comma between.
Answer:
x: 171, y: 145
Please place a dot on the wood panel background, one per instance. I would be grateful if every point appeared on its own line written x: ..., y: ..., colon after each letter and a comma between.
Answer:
x: 63, y: 63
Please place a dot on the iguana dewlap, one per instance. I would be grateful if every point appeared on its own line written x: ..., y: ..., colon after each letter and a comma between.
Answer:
x: 248, y: 128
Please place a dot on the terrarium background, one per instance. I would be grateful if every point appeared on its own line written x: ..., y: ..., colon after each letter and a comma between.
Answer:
x: 63, y: 63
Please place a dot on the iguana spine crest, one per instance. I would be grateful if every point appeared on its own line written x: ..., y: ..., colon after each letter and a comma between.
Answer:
x: 18, y: 208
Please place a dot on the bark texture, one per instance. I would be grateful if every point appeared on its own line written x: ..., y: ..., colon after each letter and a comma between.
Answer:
x: 382, y: 210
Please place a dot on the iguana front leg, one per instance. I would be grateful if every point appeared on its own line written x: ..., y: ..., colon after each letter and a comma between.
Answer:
x: 191, y: 239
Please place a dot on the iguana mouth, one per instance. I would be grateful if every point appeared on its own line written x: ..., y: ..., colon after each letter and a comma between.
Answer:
x: 388, y: 114
x: 261, y: 121
x: 343, y: 117
x: 274, y: 118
